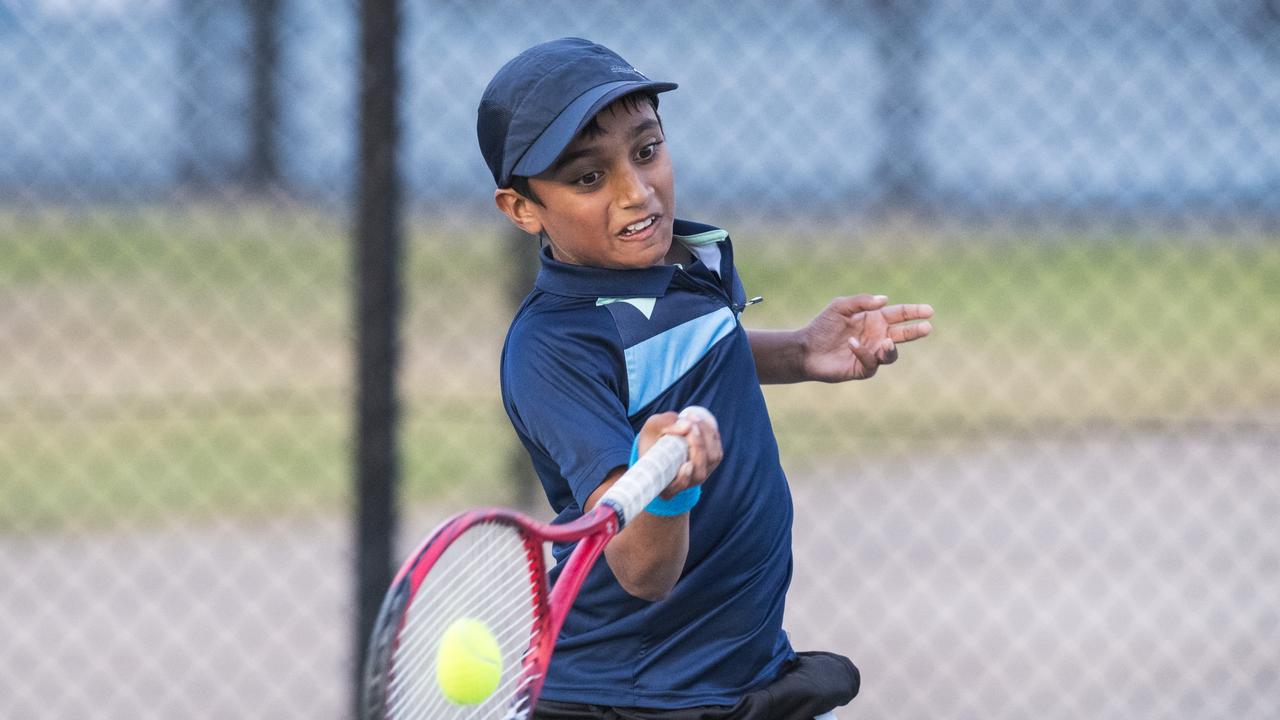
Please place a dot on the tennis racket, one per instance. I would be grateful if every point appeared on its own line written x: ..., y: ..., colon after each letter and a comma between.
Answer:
x: 488, y: 565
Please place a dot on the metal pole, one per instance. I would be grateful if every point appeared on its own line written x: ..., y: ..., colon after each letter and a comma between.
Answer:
x: 262, y: 165
x: 194, y: 19
x: 901, y: 48
x: 377, y: 259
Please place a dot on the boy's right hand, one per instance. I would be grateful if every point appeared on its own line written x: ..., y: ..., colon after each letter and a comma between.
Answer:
x: 648, y: 556
x: 705, y: 451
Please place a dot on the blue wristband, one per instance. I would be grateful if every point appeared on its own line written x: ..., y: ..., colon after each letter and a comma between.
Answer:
x: 683, y: 501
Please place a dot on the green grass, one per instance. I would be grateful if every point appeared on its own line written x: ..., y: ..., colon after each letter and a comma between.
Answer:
x: 1060, y: 331
x: 139, y: 461
x: 198, y: 362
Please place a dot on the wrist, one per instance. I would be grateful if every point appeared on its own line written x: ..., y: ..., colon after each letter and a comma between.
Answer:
x: 800, y: 343
x: 792, y: 355
x: 679, y: 504
x: 780, y: 355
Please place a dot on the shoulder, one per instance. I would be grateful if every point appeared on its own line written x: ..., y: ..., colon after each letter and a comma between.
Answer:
x: 562, y: 370
x: 554, y: 338
x: 547, y: 321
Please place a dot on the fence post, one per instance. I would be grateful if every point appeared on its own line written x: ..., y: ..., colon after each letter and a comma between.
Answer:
x: 377, y: 256
x: 901, y: 49
x: 192, y: 163
x: 262, y: 165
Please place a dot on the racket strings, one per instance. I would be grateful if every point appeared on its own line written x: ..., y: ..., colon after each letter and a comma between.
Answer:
x: 486, y: 574
x: 467, y: 588
x: 465, y: 579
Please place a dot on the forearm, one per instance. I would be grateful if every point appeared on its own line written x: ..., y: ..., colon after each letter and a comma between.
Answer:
x: 779, y: 355
x: 648, y: 556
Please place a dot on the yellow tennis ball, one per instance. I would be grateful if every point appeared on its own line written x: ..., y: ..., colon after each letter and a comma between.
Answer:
x: 469, y: 663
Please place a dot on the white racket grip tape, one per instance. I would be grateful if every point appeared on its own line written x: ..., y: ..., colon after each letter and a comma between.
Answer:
x: 651, y: 474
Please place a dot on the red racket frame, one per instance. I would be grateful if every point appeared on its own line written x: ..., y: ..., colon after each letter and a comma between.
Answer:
x: 592, y: 531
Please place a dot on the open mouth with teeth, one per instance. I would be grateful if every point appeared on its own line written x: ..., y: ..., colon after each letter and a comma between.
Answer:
x: 639, y: 227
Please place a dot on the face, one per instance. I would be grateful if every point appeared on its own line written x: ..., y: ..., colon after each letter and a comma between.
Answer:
x: 609, y: 200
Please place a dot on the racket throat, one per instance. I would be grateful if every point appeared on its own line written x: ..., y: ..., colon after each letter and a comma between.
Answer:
x: 619, y: 512
x: 574, y: 574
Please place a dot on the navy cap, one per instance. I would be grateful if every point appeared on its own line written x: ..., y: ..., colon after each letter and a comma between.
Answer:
x: 536, y: 103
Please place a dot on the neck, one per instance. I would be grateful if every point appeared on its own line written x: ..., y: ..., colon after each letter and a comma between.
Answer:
x: 678, y: 254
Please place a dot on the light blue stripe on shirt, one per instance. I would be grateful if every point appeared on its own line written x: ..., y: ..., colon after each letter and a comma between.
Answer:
x: 657, y: 363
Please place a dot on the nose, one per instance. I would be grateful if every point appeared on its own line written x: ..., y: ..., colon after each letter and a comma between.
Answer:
x: 632, y: 187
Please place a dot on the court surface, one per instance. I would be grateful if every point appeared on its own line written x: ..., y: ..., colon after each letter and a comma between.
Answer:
x: 1103, y: 576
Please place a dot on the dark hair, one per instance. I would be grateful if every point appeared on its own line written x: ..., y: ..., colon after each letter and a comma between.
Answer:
x: 520, y: 183
x: 631, y: 102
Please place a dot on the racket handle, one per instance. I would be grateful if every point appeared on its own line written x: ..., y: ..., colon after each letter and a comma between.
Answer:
x: 651, y: 474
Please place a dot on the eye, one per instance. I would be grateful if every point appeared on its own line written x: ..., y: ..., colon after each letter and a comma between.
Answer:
x: 648, y: 151
x: 588, y: 180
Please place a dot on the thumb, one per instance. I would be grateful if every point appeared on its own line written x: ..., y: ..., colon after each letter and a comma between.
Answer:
x: 868, y: 356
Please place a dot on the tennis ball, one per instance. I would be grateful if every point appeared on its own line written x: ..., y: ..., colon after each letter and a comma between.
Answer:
x: 469, y: 663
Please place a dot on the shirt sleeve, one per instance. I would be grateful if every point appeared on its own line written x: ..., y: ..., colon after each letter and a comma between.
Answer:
x: 565, y: 394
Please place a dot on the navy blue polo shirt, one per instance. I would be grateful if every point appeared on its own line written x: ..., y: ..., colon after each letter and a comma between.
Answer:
x: 590, y: 355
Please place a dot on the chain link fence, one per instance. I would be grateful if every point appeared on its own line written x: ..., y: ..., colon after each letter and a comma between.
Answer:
x: 1062, y: 504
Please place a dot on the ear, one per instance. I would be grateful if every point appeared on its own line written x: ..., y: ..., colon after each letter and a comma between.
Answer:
x: 519, y: 209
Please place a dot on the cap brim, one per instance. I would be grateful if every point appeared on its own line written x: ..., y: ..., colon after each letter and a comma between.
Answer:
x: 573, y: 118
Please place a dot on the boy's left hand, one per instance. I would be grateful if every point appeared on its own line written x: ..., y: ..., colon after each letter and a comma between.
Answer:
x: 853, y: 336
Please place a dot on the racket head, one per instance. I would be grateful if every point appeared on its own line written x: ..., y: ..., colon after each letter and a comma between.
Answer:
x: 484, y: 565
x: 488, y: 566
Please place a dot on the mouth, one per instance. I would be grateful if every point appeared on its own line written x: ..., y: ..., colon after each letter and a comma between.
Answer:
x: 640, y: 229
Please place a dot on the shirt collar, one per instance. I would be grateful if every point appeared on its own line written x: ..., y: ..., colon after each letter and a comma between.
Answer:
x: 560, y: 278
x: 569, y: 280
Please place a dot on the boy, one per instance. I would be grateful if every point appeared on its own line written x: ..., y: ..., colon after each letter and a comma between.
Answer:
x: 634, y: 316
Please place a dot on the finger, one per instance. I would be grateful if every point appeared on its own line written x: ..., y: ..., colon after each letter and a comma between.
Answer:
x: 907, y: 333
x: 697, y: 447
x: 708, y: 461
x: 695, y: 454
x: 887, y: 352
x: 679, y: 427
x: 659, y: 423
x: 867, y: 358
x: 655, y: 427
x: 904, y: 313
x: 679, y: 483
x: 715, y: 451
x: 852, y: 304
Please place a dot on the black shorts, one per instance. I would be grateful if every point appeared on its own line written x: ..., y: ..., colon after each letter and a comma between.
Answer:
x: 812, y: 684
